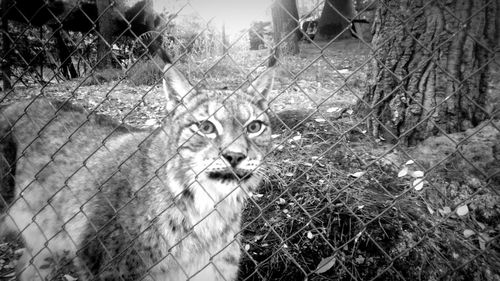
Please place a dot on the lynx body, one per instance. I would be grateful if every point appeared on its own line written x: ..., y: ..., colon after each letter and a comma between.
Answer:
x: 128, y: 204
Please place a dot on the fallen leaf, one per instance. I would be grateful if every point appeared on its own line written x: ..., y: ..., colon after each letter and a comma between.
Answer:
x: 431, y: 211
x: 462, y: 210
x: 150, y: 122
x: 418, y: 184
x: 482, y: 245
x: 403, y: 172
x: 468, y: 233
x: 320, y: 120
x: 409, y: 162
x: 483, y: 239
x: 325, y: 264
x: 356, y: 238
x: 69, y: 277
x: 357, y: 174
x: 360, y: 260
x: 417, y: 174
x: 333, y: 109
x: 19, y: 251
x: 257, y: 238
x: 446, y: 210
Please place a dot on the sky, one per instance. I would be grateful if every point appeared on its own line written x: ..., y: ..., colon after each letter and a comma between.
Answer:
x: 237, y: 14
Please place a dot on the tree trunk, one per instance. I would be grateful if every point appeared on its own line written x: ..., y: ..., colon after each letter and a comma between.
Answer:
x: 430, y: 72
x: 335, y: 20
x: 105, y: 36
x: 67, y: 68
x: 225, y: 43
x: 285, y: 25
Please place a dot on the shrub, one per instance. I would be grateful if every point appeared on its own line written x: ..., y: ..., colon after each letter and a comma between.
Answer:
x: 145, y: 72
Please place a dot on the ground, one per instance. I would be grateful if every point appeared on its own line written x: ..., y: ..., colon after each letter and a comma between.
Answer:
x: 337, y: 204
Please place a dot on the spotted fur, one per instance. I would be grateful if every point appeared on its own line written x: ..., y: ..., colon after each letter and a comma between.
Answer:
x: 130, y: 204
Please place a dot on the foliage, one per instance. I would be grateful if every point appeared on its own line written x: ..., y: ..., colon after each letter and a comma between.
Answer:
x: 192, y: 36
x: 102, y: 76
x: 145, y: 72
x: 34, y: 52
x: 260, y: 35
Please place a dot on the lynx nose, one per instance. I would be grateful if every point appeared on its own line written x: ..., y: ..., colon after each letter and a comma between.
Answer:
x: 234, y: 158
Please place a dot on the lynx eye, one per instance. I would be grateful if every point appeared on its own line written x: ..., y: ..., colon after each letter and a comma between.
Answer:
x: 255, y: 128
x: 207, y: 127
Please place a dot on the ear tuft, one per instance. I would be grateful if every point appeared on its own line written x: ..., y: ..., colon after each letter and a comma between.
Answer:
x: 175, y: 86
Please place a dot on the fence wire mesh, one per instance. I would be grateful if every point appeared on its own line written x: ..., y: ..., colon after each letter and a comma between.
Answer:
x: 385, y: 154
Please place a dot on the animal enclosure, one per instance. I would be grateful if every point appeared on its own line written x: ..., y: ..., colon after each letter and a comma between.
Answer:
x: 385, y: 155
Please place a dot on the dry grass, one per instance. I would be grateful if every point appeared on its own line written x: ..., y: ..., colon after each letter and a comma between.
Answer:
x: 374, y: 227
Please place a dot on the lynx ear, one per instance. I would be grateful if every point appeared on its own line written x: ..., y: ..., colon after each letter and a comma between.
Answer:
x: 261, y: 87
x: 175, y: 86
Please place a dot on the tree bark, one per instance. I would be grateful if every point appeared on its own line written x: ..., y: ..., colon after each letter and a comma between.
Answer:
x: 105, y: 36
x: 335, y: 20
x: 430, y: 71
x: 67, y: 67
x: 225, y: 43
x: 285, y: 25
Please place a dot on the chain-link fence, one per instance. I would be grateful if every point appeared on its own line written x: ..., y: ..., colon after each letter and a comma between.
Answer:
x: 383, y: 162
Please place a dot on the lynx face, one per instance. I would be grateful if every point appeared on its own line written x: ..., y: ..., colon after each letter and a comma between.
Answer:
x: 125, y: 203
x: 222, y: 141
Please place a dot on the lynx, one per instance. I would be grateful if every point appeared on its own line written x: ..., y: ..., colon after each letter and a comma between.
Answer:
x: 130, y: 204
